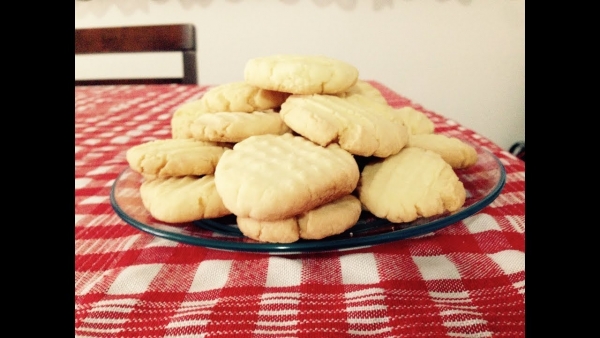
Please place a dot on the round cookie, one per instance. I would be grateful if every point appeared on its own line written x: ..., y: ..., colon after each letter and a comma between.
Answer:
x: 300, y: 74
x: 415, y: 121
x: 241, y: 97
x: 183, y: 117
x: 274, y: 177
x: 237, y: 126
x: 357, y: 123
x: 182, y: 199
x: 413, y: 183
x: 330, y: 219
x: 282, y: 231
x: 455, y: 152
x: 174, y: 157
x: 327, y: 220
x: 365, y: 88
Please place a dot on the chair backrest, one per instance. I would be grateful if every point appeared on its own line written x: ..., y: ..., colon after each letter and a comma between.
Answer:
x: 160, y: 38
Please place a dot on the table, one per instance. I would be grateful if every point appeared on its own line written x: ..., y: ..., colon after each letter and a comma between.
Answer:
x: 465, y: 280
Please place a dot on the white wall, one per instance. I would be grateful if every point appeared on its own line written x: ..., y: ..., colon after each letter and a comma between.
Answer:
x: 464, y: 59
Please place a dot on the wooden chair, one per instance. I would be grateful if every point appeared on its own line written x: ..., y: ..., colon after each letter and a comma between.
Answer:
x: 161, y: 38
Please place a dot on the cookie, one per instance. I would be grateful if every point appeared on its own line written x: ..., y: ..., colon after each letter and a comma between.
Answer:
x: 358, y: 124
x: 274, y: 177
x: 411, y: 184
x: 330, y: 219
x: 365, y: 88
x: 174, y: 157
x: 236, y: 126
x: 182, y: 199
x: 282, y: 231
x: 455, y: 152
x: 327, y: 220
x: 183, y: 117
x: 415, y: 121
x: 241, y: 96
x: 300, y: 74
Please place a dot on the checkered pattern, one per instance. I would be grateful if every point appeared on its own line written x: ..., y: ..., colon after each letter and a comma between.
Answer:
x: 465, y: 280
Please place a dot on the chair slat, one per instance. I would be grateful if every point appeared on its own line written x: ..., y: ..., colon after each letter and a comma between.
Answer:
x: 157, y: 38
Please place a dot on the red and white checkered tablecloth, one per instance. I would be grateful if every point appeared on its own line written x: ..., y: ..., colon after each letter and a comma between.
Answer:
x: 465, y: 280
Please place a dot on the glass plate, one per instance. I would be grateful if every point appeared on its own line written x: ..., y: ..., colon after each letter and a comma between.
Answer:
x: 482, y: 181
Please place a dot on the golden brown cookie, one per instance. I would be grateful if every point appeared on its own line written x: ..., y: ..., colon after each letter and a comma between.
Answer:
x: 183, y: 117
x: 300, y: 74
x: 411, y: 184
x: 274, y: 177
x: 358, y: 124
x: 241, y: 96
x: 457, y: 153
x: 174, y: 157
x: 330, y: 219
x: 415, y: 121
x: 327, y: 220
x: 282, y: 231
x: 364, y: 88
x: 237, y: 126
x: 182, y: 199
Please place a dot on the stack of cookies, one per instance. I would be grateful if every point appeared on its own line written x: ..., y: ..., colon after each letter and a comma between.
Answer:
x: 281, y: 151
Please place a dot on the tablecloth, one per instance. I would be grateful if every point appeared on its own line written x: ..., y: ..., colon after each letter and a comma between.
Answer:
x: 465, y: 280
